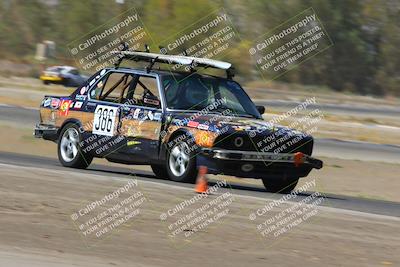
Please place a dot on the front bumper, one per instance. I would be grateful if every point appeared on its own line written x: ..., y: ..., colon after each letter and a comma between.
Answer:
x: 253, y: 164
x: 47, y: 132
x: 267, y: 157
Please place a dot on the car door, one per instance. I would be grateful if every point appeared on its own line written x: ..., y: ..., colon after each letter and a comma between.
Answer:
x: 103, y: 112
x: 141, y: 118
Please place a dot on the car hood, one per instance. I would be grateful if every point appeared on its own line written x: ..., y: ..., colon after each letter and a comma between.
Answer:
x: 230, y: 124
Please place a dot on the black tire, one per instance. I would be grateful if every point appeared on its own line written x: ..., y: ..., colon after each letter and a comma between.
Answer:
x: 190, y: 173
x: 284, y: 186
x: 160, y: 171
x: 68, y: 156
x: 46, y: 82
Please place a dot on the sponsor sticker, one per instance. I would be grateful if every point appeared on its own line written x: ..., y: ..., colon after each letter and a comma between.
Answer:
x: 83, y: 90
x: 150, y: 115
x: 64, y: 107
x: 133, y: 143
x: 157, y: 116
x: 202, y: 127
x: 150, y: 101
x: 47, y: 102
x: 193, y: 124
x: 78, y: 105
x: 55, y: 102
x: 136, y: 113
x: 80, y: 97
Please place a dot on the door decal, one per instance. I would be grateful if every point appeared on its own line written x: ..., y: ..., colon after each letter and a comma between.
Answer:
x: 104, y: 120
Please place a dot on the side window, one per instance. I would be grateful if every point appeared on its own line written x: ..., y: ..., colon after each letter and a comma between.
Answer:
x: 113, y: 87
x: 146, y: 92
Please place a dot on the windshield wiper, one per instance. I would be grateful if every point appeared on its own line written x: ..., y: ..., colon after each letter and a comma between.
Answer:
x: 234, y: 112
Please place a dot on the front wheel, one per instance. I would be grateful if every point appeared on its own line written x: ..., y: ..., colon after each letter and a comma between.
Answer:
x: 284, y: 186
x: 69, y: 152
x: 160, y: 171
x: 181, y: 162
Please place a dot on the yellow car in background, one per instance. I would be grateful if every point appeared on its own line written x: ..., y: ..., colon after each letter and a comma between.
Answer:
x: 64, y: 75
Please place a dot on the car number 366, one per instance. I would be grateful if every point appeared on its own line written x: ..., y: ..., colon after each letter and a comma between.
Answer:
x: 104, y: 120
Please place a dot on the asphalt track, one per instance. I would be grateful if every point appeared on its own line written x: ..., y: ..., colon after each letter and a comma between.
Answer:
x: 323, y: 147
x: 377, y: 207
x: 342, y: 109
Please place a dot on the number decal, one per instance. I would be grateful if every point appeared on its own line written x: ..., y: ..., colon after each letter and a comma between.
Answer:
x: 104, y: 120
x: 96, y: 123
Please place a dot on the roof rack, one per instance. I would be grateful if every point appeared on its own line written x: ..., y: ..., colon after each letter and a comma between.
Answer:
x: 152, y: 58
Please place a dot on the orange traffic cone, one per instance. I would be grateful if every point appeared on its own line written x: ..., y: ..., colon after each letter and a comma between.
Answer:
x: 298, y: 159
x: 201, y: 182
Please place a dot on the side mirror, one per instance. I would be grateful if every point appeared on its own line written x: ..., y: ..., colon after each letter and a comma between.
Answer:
x: 261, y: 109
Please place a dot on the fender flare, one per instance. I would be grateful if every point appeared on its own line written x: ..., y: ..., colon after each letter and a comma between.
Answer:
x: 68, y: 121
x: 173, y: 135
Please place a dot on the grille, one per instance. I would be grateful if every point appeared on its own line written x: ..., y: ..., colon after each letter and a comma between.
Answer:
x: 283, y: 144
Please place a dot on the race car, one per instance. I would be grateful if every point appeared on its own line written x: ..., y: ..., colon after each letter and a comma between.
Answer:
x: 64, y: 75
x: 174, y: 121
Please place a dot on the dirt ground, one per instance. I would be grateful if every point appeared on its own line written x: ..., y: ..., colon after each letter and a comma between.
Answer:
x: 37, y: 229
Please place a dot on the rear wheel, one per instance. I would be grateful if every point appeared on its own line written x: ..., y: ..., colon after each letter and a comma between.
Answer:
x: 69, y: 152
x: 283, y: 186
x: 181, y: 161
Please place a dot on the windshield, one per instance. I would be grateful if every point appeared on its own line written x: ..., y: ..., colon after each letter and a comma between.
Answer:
x: 198, y: 93
x: 54, y: 69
